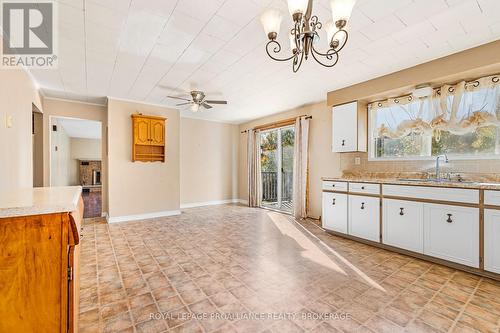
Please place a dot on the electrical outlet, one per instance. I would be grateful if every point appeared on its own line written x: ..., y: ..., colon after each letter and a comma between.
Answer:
x: 357, y: 160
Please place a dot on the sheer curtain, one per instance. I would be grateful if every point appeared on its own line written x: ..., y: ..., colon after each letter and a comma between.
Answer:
x: 253, y: 161
x: 300, y: 163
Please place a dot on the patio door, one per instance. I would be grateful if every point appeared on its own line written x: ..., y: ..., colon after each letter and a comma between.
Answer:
x: 276, y: 163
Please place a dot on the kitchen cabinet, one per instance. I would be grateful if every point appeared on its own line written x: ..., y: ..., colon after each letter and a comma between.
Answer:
x: 452, y: 233
x: 403, y: 224
x: 364, y: 217
x: 148, y: 134
x: 334, y: 212
x: 492, y: 240
x: 349, y: 128
x: 39, y: 263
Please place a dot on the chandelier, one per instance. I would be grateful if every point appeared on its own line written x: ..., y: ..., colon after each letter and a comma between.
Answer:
x: 304, y: 34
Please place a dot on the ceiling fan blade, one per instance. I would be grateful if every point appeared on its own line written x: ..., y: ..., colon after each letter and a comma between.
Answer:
x: 206, y: 106
x: 181, y: 98
x: 183, y: 104
x: 216, y: 102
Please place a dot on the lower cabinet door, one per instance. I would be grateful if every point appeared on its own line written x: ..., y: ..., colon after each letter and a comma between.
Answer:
x: 492, y: 240
x: 452, y: 233
x: 334, y: 216
x: 403, y: 224
x: 364, y: 217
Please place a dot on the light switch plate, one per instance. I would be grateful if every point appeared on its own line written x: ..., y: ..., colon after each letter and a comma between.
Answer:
x: 357, y: 160
x: 8, y: 121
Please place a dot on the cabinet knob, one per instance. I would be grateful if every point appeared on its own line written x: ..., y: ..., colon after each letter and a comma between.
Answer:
x: 362, y: 205
x: 333, y: 185
x: 362, y: 187
x: 449, y: 220
x: 343, y: 142
x: 401, y: 212
x: 333, y: 201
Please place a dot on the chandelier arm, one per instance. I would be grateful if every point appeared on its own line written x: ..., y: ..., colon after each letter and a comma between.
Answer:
x: 297, y: 62
x: 346, y: 34
x: 328, y: 55
x: 276, y: 49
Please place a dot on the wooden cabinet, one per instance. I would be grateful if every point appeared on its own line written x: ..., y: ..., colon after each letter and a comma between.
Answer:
x: 39, y: 272
x: 334, y: 215
x: 148, y: 138
x: 349, y: 128
x: 403, y: 224
x: 364, y: 217
x: 492, y: 240
x: 452, y: 233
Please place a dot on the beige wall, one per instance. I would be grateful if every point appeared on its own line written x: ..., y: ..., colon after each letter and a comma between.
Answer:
x: 468, y: 64
x: 208, y: 161
x: 17, y: 93
x: 82, y: 149
x: 138, y: 187
x: 38, y: 149
x: 60, y: 108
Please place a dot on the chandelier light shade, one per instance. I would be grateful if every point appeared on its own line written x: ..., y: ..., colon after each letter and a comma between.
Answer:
x: 304, y: 33
x: 297, y: 7
x: 341, y: 9
x: 271, y: 21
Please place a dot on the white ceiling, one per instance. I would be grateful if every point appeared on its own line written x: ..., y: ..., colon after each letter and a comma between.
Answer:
x: 80, y: 128
x: 130, y: 49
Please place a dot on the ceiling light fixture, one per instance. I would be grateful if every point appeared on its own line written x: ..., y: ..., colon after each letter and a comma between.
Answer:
x: 304, y: 34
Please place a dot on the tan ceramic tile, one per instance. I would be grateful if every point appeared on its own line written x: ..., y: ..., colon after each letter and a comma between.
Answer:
x: 229, y: 260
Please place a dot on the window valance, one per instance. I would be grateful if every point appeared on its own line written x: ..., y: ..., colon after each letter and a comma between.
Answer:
x: 460, y: 109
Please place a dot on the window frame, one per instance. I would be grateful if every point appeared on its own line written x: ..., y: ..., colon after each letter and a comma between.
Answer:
x: 372, y: 158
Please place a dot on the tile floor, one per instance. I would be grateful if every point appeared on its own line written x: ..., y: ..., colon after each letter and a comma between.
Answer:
x: 210, y: 268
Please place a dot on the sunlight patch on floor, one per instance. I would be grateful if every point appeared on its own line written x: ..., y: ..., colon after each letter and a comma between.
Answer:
x: 311, y: 250
x: 365, y: 277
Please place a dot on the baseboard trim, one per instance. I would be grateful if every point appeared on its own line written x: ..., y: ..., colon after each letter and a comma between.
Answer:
x: 146, y: 216
x: 208, y: 203
x: 243, y: 202
x: 105, y: 215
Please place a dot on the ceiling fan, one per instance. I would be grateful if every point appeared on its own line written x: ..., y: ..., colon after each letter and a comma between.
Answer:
x: 197, y: 100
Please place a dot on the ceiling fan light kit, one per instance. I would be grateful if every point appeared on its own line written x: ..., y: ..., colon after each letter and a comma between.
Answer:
x: 304, y: 34
x: 197, y: 101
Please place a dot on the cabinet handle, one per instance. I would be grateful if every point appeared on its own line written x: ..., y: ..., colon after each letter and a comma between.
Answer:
x: 362, y: 205
x: 362, y: 187
x: 401, y: 212
x: 449, y: 220
x: 343, y: 142
x: 333, y: 201
x: 333, y: 185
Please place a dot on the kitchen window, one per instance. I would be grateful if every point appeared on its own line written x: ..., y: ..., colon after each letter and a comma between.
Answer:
x: 461, y: 120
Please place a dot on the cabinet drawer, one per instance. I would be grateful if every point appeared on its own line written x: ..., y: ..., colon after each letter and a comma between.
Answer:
x: 433, y: 193
x: 492, y: 240
x: 452, y: 233
x: 492, y: 198
x: 364, y: 217
x: 334, y: 185
x: 403, y: 225
x: 364, y: 188
x: 334, y: 212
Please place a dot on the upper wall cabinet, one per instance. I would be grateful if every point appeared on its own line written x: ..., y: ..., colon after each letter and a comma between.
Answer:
x: 148, y: 138
x: 349, y: 128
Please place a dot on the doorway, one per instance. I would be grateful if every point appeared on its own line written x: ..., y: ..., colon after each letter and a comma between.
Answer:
x: 75, y: 159
x: 276, y: 163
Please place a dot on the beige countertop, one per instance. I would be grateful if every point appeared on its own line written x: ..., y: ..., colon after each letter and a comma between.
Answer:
x: 39, y: 200
x: 418, y: 182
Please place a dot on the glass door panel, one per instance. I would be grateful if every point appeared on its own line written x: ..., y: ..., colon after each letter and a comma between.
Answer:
x: 277, y: 168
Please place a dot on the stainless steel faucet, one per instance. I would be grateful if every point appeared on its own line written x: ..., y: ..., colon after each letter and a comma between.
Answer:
x: 438, y: 174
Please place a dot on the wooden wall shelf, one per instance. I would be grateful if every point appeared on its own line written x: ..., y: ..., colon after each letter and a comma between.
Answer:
x: 148, y: 134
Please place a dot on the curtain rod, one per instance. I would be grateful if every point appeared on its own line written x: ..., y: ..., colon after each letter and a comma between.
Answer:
x: 270, y: 125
